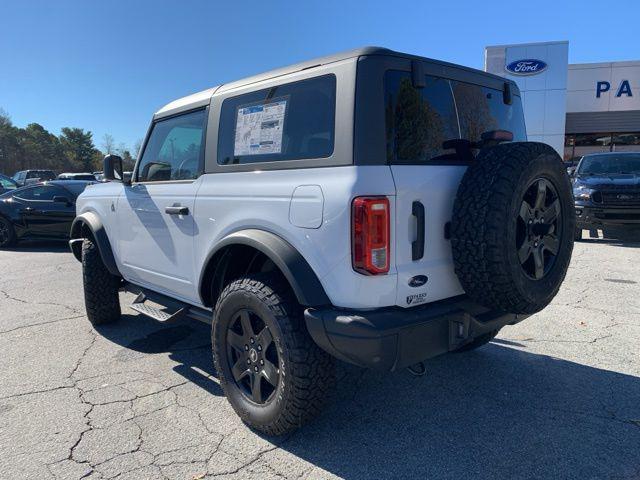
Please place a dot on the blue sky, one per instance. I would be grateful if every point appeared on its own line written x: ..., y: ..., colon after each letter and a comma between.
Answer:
x: 106, y: 66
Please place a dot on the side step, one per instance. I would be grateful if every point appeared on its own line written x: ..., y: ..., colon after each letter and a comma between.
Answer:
x: 160, y: 314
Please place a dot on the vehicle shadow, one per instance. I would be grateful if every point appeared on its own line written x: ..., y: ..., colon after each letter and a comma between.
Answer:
x: 617, y: 238
x: 499, y: 412
x: 36, y: 246
x: 186, y: 341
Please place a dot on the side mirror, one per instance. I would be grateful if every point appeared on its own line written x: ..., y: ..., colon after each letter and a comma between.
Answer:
x: 61, y: 199
x: 113, y: 169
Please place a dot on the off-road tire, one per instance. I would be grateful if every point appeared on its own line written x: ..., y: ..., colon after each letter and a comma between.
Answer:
x: 11, y: 233
x: 484, y: 226
x: 101, y: 298
x: 478, y: 342
x: 306, y: 373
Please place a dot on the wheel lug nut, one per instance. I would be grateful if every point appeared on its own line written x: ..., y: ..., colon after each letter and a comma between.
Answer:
x: 246, y: 347
x: 248, y: 361
x: 261, y: 362
x: 259, y: 348
x: 252, y: 341
x: 255, y: 368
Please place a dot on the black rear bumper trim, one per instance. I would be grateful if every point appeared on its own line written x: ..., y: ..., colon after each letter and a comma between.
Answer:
x: 393, y: 338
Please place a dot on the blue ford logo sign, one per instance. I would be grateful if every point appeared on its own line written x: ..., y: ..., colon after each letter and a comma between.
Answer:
x: 526, y: 67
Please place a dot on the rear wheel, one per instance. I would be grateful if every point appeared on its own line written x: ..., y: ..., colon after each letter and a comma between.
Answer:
x: 7, y: 233
x: 101, y: 288
x: 273, y: 374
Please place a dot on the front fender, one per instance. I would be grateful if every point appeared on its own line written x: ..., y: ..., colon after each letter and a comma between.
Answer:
x: 90, y: 223
x: 303, y: 280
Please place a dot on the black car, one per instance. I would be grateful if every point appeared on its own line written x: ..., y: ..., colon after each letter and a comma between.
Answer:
x: 39, y: 211
x: 7, y: 184
x: 606, y: 188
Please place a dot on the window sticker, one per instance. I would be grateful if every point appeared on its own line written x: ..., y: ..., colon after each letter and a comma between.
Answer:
x: 259, y: 128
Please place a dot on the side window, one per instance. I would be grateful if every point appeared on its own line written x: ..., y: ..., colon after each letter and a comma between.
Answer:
x: 41, y: 193
x: 293, y: 121
x: 482, y: 109
x: 174, y: 150
x: 418, y: 120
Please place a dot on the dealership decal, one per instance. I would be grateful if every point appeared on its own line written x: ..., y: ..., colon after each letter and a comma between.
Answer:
x: 526, y: 67
x: 604, y: 86
x: 417, y: 298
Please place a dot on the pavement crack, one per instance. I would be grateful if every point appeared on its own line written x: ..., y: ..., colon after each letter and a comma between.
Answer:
x: 32, y: 325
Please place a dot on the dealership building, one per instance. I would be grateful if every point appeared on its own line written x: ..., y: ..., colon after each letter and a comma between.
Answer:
x: 576, y: 108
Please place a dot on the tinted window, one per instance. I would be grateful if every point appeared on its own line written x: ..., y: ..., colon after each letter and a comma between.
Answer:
x: 174, y: 150
x: 482, y: 109
x: 7, y: 184
x: 41, y: 193
x: 418, y: 121
x: 43, y: 175
x: 289, y: 122
x: 77, y: 188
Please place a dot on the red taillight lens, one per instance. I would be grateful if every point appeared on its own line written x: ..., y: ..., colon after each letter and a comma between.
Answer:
x: 370, y: 224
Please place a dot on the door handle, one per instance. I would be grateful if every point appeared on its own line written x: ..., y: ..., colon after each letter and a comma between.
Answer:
x: 177, y: 210
x: 417, y: 246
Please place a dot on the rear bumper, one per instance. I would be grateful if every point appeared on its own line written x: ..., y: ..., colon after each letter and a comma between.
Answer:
x: 393, y: 338
x: 591, y: 217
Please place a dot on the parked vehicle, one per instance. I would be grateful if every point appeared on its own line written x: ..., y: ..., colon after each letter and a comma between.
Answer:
x: 372, y: 206
x: 77, y: 176
x: 26, y: 177
x: 606, y: 187
x: 40, y: 211
x: 7, y: 184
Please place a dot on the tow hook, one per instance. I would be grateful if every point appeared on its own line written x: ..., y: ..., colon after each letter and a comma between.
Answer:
x: 417, y: 369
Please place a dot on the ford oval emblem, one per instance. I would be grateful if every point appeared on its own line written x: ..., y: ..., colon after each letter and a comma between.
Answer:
x: 418, y: 281
x: 527, y: 66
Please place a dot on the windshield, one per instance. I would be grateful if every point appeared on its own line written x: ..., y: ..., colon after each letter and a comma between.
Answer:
x: 6, y: 183
x: 610, y: 164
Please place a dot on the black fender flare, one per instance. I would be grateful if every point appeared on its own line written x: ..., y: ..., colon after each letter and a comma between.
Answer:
x: 303, y: 280
x: 91, y: 221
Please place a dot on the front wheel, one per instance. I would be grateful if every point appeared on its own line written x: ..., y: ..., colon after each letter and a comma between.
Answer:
x: 101, y: 297
x: 273, y: 374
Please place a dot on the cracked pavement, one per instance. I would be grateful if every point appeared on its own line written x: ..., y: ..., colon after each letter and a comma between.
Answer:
x: 556, y: 396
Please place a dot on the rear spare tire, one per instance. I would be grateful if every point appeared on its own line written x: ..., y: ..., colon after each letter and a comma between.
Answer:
x: 513, y: 227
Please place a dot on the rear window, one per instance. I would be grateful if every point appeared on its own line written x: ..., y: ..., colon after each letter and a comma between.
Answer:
x: 420, y: 120
x: 293, y: 121
x: 482, y: 109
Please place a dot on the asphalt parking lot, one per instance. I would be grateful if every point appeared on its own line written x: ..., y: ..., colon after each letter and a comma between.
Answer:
x: 557, y: 396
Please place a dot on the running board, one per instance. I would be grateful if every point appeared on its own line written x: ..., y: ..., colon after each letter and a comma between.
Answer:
x: 176, y: 308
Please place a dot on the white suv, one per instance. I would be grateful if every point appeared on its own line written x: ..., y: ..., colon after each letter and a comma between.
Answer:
x: 372, y: 206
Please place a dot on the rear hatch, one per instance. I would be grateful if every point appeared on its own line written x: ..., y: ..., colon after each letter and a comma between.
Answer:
x: 426, y: 176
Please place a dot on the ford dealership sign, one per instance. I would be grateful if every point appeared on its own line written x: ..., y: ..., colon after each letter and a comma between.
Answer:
x: 526, y: 67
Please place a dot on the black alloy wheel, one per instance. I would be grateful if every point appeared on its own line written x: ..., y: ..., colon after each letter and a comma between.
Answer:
x: 539, y: 230
x: 253, y: 355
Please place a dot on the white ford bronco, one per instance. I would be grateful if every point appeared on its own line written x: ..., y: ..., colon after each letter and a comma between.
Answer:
x: 373, y: 206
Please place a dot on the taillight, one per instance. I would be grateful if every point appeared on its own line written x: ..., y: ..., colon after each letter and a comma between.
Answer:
x: 370, y: 225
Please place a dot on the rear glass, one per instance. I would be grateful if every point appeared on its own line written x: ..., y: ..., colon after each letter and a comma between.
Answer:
x: 293, y: 121
x: 420, y: 120
x: 482, y: 109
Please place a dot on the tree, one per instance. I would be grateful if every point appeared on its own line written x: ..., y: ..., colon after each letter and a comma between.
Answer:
x: 128, y: 162
x: 108, y: 144
x: 79, y: 149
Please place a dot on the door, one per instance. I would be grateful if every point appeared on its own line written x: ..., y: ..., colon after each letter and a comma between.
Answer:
x: 155, y: 214
x: 427, y: 175
x: 43, y: 216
